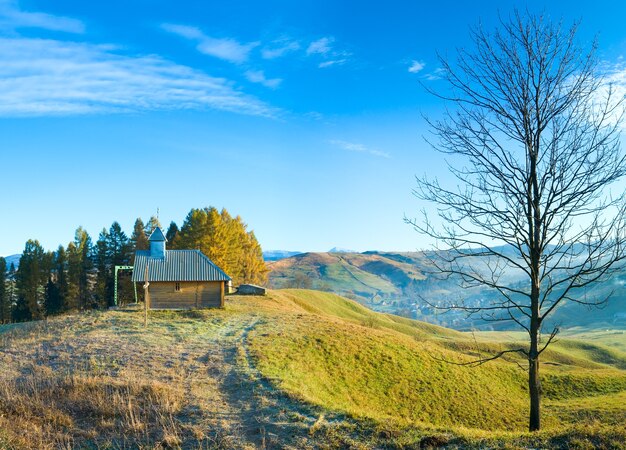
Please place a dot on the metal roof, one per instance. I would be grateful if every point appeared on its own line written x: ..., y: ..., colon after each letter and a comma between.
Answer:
x: 157, y: 235
x: 178, y: 265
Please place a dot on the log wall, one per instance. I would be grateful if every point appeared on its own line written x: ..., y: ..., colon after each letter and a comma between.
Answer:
x: 192, y: 294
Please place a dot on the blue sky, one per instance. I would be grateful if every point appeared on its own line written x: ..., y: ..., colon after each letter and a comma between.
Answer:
x: 303, y: 117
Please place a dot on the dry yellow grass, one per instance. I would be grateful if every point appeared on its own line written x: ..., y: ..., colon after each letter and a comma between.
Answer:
x: 295, y: 369
x: 44, y: 410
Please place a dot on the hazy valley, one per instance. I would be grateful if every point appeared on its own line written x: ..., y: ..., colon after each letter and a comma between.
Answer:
x: 403, y: 283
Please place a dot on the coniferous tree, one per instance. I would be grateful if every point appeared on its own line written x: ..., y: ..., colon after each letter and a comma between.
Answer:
x: 102, y: 264
x: 47, y: 262
x: 118, y: 254
x: 220, y: 239
x: 230, y: 236
x: 195, y: 231
x: 60, y: 271
x: 199, y: 231
x: 138, y: 239
x: 12, y: 291
x: 82, y: 240
x: 252, y: 268
x: 53, y: 303
x: 226, y: 241
x: 118, y: 245
x: 152, y: 224
x: 73, y: 276
x: 172, y: 232
x: 79, y: 267
x: 30, y: 280
x: 51, y: 297
x: 5, y: 309
x: 244, y: 256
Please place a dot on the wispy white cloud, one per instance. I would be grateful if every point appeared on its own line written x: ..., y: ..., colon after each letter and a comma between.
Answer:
x: 227, y: 49
x: 279, y: 48
x: 352, y: 147
x: 314, y: 115
x: 183, y: 31
x: 12, y: 17
x: 320, y: 47
x: 612, y: 90
x: 416, y: 66
x: 258, y: 76
x: 324, y: 48
x: 436, y: 74
x: 50, y: 77
x: 332, y: 62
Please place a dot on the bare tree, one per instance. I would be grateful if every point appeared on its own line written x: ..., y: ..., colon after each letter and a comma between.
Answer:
x: 533, y: 136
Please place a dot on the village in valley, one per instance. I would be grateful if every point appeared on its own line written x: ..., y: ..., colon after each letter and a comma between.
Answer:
x: 469, y: 157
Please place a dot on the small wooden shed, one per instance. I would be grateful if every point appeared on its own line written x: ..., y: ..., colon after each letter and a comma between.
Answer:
x: 179, y: 279
x: 250, y: 289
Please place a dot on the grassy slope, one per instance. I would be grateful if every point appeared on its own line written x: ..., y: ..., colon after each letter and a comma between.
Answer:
x: 364, y: 275
x: 386, y: 372
x: 345, y: 357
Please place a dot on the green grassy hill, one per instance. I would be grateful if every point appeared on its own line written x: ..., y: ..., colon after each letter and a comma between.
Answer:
x: 295, y: 369
x: 395, y: 282
x: 369, y: 276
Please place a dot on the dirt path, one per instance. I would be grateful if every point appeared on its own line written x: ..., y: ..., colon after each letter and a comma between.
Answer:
x: 202, y: 362
x: 227, y: 397
x: 258, y: 416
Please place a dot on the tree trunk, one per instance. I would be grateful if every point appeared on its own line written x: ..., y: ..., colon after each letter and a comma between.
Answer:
x: 534, y: 383
x: 535, y: 223
x: 534, y: 386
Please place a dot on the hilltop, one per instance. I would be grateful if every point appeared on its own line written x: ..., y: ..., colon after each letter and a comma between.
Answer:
x: 294, y: 369
x: 369, y: 276
x: 397, y: 283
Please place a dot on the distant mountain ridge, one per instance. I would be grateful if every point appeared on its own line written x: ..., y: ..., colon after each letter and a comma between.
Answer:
x: 275, y: 255
x: 340, y: 250
x: 13, y: 259
x: 399, y: 282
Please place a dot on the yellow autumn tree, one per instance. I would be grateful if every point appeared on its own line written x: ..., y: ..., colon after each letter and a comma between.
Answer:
x: 226, y: 241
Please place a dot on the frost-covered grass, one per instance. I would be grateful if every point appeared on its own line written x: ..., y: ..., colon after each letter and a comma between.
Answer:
x: 294, y: 369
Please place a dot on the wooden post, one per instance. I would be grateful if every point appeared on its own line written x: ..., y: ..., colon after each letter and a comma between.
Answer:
x: 146, y: 300
x: 222, y: 294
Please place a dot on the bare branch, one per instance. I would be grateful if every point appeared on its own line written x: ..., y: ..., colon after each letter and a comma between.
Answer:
x: 481, y: 361
x: 532, y: 134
